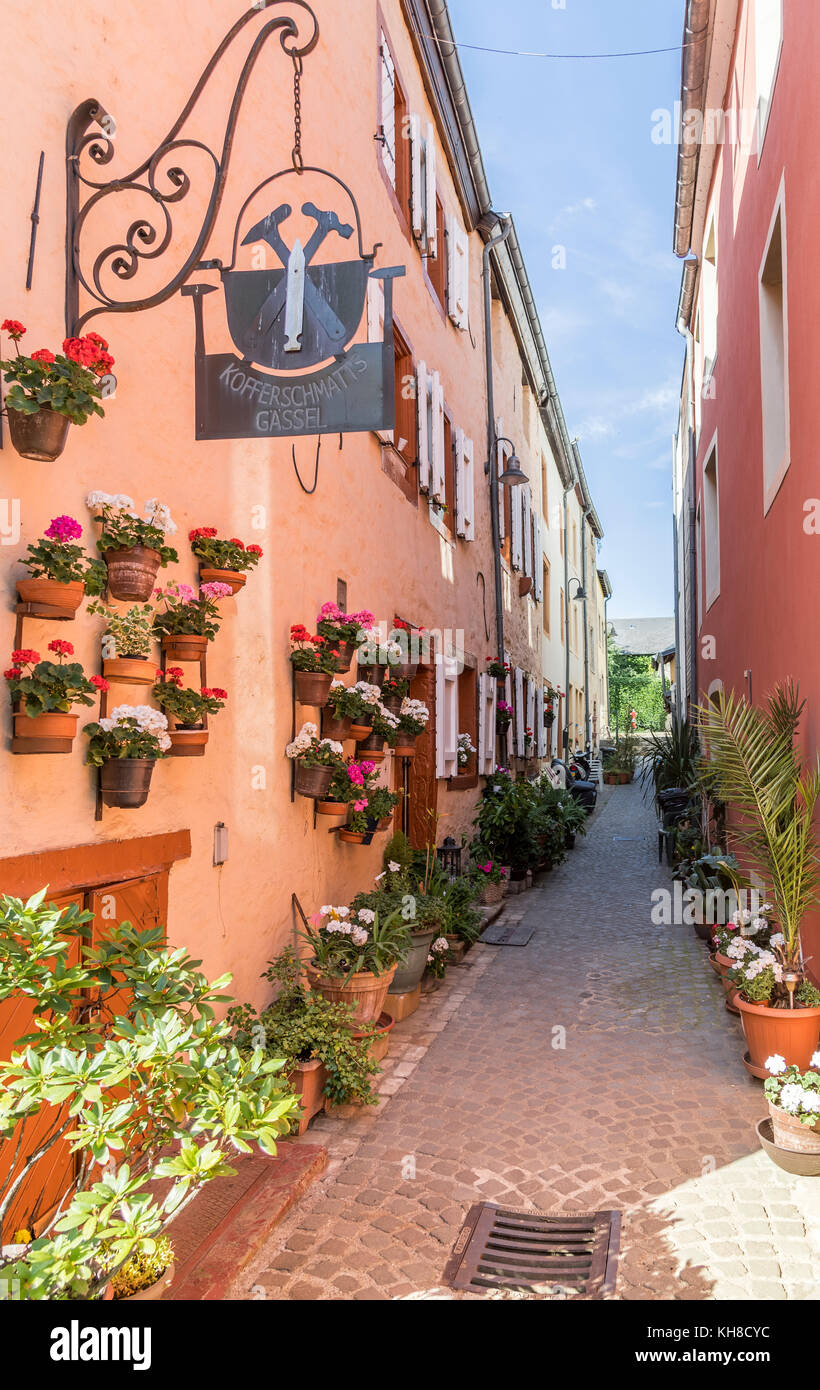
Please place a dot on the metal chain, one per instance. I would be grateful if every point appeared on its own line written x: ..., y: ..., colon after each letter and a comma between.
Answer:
x: 296, y: 152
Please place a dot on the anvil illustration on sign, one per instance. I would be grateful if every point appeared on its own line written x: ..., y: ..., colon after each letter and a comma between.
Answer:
x: 290, y: 318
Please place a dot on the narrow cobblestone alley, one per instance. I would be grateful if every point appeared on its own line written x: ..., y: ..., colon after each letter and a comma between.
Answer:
x: 646, y: 1108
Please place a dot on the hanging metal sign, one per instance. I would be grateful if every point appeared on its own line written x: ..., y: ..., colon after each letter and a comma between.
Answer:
x: 288, y: 320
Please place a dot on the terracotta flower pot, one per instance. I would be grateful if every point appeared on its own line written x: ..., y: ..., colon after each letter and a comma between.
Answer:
x: 365, y: 991
x: 723, y: 965
x: 52, y: 725
x: 351, y: 837
x: 154, y: 1291
x: 312, y: 687
x: 125, y: 782
x: 40, y: 436
x: 409, y: 973
x: 790, y: 1132
x: 54, y: 592
x: 129, y: 670
x: 308, y: 1080
x: 184, y: 646
x: 405, y: 750
x: 338, y: 729
x: 405, y: 671
x: 789, y: 1033
x: 187, y: 743
x: 331, y: 808
x: 312, y: 781
x: 380, y: 1035
x: 132, y: 573
x: 209, y: 575
x: 343, y: 660
x: 360, y: 731
x: 392, y: 702
x: 372, y: 747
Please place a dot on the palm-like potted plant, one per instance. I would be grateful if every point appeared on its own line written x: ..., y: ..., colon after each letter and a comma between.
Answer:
x: 190, y: 619
x: 129, y: 1060
x: 60, y: 572
x: 125, y: 746
x: 132, y: 546
x: 355, y: 956
x: 314, y: 659
x: 222, y: 561
x: 48, y: 392
x: 317, y: 759
x: 187, y: 709
x: 43, y: 692
x: 762, y: 776
x: 126, y: 642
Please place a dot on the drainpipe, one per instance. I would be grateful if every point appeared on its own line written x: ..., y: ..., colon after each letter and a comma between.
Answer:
x: 586, y: 625
x: 490, y: 467
x: 565, y: 739
x: 676, y: 570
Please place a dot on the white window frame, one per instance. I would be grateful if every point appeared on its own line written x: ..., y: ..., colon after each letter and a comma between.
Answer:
x: 423, y: 425
x: 765, y: 99
x: 487, y: 698
x: 711, y: 528
x: 465, y: 486
x: 458, y: 273
x: 776, y: 476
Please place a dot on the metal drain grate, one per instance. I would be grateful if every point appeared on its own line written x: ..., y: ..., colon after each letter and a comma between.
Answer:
x: 498, y: 1248
x: 507, y: 936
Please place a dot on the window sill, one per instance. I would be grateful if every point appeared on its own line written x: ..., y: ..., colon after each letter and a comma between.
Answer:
x: 464, y: 781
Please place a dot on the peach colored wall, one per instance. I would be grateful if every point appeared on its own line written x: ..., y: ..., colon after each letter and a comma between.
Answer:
x: 358, y: 526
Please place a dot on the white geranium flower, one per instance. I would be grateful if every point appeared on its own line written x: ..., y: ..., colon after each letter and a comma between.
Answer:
x: 366, y: 914
x: 393, y: 866
x: 791, y: 1097
x: 778, y: 939
x: 811, y: 1101
x: 324, y: 911
x: 359, y: 936
x: 777, y: 1064
x: 440, y: 944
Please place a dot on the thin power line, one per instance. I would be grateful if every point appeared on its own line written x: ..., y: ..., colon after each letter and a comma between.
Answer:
x: 527, y: 53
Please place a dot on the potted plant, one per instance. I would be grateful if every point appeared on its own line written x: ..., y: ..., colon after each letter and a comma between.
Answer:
x: 190, y: 621
x: 499, y: 670
x: 60, y: 572
x: 355, y: 957
x: 503, y: 716
x: 222, y: 561
x: 49, y: 392
x: 394, y: 689
x: 116, y: 1073
x: 346, y: 787
x: 336, y: 723
x: 466, y: 749
x: 341, y: 631
x: 383, y: 803
x: 760, y: 773
x: 490, y: 875
x: 377, y: 651
x: 188, y: 709
x: 413, y: 717
x: 313, y: 659
x: 46, y: 690
x: 146, y: 1273
x: 362, y: 701
x: 133, y: 547
x: 126, y: 642
x: 317, y: 759
x: 326, y: 1061
x: 384, y: 729
x: 125, y: 746
x: 793, y: 1095
x: 413, y: 642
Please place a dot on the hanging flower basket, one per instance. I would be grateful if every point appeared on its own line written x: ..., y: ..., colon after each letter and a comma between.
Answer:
x: 45, y: 725
x: 125, y: 745
x: 43, y: 691
x: 351, y: 837
x: 312, y: 781
x: 184, y: 646
x: 70, y: 378
x: 222, y: 561
x: 340, y: 729
x: 133, y: 547
x: 41, y: 436
x: 188, y: 741
x: 405, y: 750
x: 125, y: 782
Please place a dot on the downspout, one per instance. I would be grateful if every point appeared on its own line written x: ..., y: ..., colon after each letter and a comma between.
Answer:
x: 565, y: 739
x: 586, y: 630
x: 491, y: 466
x: 677, y: 611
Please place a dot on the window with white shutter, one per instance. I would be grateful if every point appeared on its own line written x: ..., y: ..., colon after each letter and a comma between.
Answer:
x: 517, y: 505
x: 530, y: 748
x: 423, y: 425
x: 388, y: 110
x: 538, y: 558
x: 375, y: 330
x: 458, y: 286
x: 437, y: 445
x: 540, y: 726
x: 430, y: 220
x: 417, y: 180
x: 465, y: 486
x: 487, y: 693
x: 446, y: 716
x: 519, y: 711
x: 526, y: 526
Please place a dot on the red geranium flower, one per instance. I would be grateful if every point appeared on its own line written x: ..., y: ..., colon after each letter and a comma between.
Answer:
x: 204, y: 532
x: 236, y: 541
x: 96, y: 338
x: 100, y: 682
x: 61, y: 648
x: 12, y: 673
x: 13, y: 327
x: 102, y: 363
x: 254, y: 549
x: 25, y: 654
x: 43, y: 355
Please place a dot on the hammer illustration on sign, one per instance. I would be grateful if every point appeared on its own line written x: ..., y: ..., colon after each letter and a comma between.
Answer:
x: 295, y: 291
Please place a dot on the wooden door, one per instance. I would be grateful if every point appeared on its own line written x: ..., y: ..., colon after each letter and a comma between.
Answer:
x: 423, y: 784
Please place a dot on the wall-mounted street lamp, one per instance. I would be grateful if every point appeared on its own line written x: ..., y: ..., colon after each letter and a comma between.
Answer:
x: 581, y: 594
x: 513, y: 475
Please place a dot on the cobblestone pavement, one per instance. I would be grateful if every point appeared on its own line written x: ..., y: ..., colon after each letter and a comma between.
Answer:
x: 645, y: 1107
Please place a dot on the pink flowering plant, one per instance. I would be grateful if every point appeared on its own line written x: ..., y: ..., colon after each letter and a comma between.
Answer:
x: 57, y: 556
x: 47, y: 686
x: 503, y: 715
x: 346, y: 942
x: 336, y: 626
x: 189, y: 612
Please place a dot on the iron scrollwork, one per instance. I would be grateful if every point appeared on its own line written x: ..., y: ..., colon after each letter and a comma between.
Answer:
x: 147, y: 238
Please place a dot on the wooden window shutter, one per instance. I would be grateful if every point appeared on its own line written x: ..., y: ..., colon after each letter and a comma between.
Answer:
x: 517, y: 527
x: 467, y: 490
x: 375, y: 330
x: 437, y: 485
x: 519, y: 711
x: 458, y: 280
x: 487, y: 688
x: 538, y: 558
x: 416, y: 179
x: 430, y: 226
x: 526, y: 526
x: 388, y: 111
x: 423, y: 426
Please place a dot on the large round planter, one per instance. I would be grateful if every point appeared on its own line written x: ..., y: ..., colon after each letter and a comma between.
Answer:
x: 790, y: 1133
x: 805, y: 1165
x: 409, y: 973
x: 154, y: 1292
x: 187, y: 743
x: 308, y: 1081
x: 312, y: 687
x: 132, y: 573
x: 364, y: 991
x: 331, y: 808
x: 788, y: 1033
x: 312, y: 781
x: 209, y: 575
x: 40, y: 436
x: 54, y: 725
x: 53, y: 592
x: 129, y: 670
x: 338, y: 729
x: 184, y: 646
x: 125, y: 782
x: 379, y: 1035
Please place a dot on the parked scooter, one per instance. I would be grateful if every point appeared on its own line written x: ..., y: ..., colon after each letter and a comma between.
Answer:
x: 584, y: 791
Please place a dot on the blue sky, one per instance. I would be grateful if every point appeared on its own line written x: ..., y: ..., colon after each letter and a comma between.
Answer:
x: 568, y: 150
